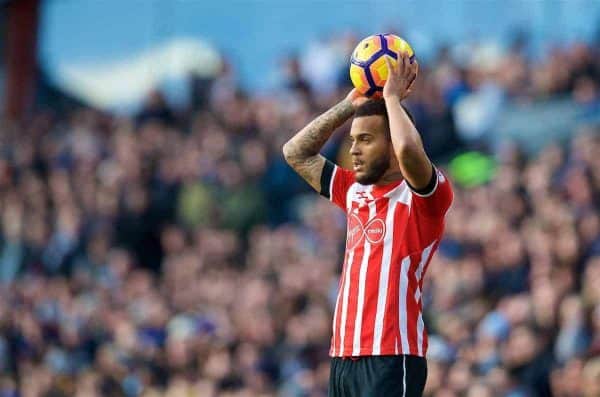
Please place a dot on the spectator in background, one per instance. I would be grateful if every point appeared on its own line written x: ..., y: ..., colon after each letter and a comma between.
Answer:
x: 155, y: 109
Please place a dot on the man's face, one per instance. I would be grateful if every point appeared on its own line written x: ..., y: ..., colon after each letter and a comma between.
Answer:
x: 370, y: 148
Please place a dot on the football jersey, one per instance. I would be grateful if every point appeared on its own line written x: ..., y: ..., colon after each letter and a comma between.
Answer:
x: 392, y: 234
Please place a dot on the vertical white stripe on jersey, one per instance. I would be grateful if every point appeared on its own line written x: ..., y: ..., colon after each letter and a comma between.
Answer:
x: 342, y: 327
x: 361, y: 283
x: 335, y: 169
x: 335, y: 314
x: 402, y: 194
x: 346, y: 284
x: 335, y: 310
x: 349, y: 194
x: 424, y: 258
x: 403, y: 312
x: 418, y: 274
x: 384, y: 276
x: 345, y: 301
x: 420, y: 327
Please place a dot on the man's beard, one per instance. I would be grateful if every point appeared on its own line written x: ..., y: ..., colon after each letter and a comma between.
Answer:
x: 375, y: 170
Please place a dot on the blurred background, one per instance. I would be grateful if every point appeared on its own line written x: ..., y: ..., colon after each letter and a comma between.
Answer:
x: 153, y: 242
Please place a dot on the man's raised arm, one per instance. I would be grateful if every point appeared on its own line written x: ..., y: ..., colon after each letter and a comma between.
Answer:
x: 408, y: 146
x: 302, y: 150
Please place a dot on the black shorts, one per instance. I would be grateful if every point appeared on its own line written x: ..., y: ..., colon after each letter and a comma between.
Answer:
x: 377, y: 376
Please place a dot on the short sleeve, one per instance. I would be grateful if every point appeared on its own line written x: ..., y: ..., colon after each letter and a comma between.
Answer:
x: 436, y: 201
x: 335, y: 182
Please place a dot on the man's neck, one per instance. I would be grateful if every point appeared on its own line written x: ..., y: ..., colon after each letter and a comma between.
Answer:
x: 389, y: 177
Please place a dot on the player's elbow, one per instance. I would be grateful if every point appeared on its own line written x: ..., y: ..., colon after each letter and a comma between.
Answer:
x: 295, y: 154
x: 289, y: 153
x: 405, y: 151
x: 286, y: 151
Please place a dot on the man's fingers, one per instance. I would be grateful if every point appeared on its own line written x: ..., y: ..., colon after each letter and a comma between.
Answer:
x: 412, y: 73
x: 400, y: 66
x: 403, y: 70
x: 414, y: 67
x: 411, y: 80
x: 389, y: 65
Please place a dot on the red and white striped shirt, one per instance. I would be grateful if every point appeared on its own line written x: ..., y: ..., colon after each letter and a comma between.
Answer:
x: 391, y: 237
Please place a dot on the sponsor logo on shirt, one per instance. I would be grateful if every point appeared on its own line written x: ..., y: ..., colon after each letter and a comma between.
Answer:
x: 374, y: 231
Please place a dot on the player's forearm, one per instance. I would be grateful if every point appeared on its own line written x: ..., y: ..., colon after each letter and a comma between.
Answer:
x: 405, y: 137
x: 309, y: 141
x: 408, y: 146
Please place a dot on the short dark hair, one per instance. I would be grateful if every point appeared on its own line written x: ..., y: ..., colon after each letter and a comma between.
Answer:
x: 376, y: 107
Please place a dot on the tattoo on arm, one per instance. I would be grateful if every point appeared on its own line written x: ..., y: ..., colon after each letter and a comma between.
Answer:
x: 302, y: 151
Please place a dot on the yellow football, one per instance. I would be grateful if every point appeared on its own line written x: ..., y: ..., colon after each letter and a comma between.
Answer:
x: 368, y: 70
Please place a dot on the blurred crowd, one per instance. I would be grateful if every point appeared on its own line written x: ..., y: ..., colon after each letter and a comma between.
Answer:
x: 176, y: 254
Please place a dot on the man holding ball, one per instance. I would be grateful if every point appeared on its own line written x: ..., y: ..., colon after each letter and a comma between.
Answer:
x: 395, y: 200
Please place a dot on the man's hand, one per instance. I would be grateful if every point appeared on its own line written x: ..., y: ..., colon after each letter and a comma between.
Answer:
x: 356, y: 98
x: 400, y: 77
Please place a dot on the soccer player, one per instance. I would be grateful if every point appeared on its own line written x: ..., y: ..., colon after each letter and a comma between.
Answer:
x: 395, y: 201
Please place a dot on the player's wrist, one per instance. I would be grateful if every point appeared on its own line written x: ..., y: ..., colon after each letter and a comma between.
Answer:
x: 392, y: 98
x: 349, y: 104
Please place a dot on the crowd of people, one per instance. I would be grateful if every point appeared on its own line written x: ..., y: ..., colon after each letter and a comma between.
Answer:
x: 176, y: 254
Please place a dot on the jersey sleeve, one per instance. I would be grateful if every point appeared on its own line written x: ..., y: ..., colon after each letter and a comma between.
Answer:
x: 335, y: 182
x: 435, y: 199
